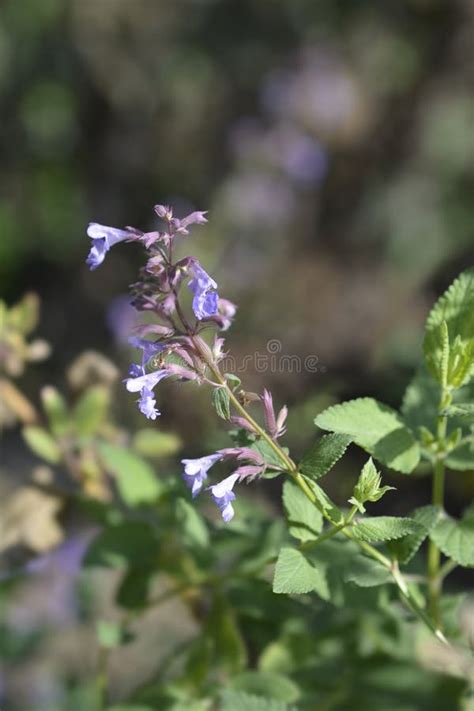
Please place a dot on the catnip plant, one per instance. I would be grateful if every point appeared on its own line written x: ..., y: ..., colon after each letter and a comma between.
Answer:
x: 435, y: 430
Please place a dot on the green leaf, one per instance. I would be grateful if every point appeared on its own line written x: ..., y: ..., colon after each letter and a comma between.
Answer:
x: 366, y: 573
x: 296, y: 574
x: 191, y: 525
x: 324, y: 454
x: 376, y: 428
x: 324, y: 501
x: 420, y: 401
x: 42, y: 444
x: 368, y: 487
x: 126, y: 544
x: 406, y: 547
x: 24, y: 316
x: 91, y: 410
x: 240, y: 701
x: 221, y: 402
x: 234, y: 380
x: 56, y: 410
x: 383, y: 528
x: 304, y: 520
x: 455, y: 538
x: 461, y: 458
x: 269, y: 454
x: 267, y: 684
x: 462, y: 409
x: 130, y: 707
x: 154, y: 444
x: 136, y: 480
x: 456, y: 309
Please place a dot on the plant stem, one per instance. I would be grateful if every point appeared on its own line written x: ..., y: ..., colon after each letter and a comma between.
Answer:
x: 342, y: 526
x: 437, y: 499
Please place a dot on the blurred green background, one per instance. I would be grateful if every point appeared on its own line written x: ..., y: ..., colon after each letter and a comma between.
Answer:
x: 332, y: 143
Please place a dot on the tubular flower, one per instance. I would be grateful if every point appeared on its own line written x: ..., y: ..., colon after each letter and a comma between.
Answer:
x: 103, y: 238
x: 149, y: 348
x: 205, y: 302
x: 195, y: 471
x: 223, y: 496
x: 144, y: 384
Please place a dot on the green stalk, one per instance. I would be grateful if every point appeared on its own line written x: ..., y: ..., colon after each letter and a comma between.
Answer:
x: 437, y: 499
x: 292, y: 470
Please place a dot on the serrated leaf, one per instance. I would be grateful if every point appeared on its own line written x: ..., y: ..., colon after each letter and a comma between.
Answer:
x: 42, y: 444
x: 221, y: 402
x: 383, y: 528
x: 406, y: 547
x: 296, y: 574
x: 304, y: 520
x: 324, y: 501
x: 456, y: 308
x: 455, y: 538
x: 240, y: 701
x: 324, y: 454
x: 136, y: 480
x: 366, y: 573
x: 376, y: 428
x: 155, y: 444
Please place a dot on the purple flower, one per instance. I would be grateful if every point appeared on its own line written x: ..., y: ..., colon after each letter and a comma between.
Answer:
x: 149, y: 380
x: 223, y: 496
x: 195, y: 218
x: 205, y: 302
x: 226, y: 311
x: 195, y: 471
x: 103, y: 238
x: 144, y: 384
x: 147, y: 404
x: 275, y: 425
x: 149, y: 348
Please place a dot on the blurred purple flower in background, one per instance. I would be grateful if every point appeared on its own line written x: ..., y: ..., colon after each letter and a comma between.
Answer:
x: 299, y: 156
x: 122, y: 318
x: 321, y: 94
